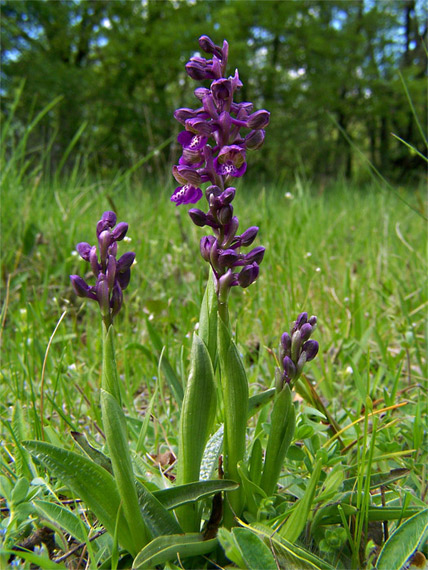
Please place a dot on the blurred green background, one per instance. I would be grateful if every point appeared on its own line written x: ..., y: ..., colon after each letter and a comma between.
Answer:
x: 327, y: 70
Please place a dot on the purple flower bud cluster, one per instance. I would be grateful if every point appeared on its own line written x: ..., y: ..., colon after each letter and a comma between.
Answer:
x: 297, y: 348
x: 223, y: 249
x: 214, y: 148
x: 112, y: 275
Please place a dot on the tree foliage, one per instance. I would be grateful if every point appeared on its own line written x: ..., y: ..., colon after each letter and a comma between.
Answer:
x: 327, y: 71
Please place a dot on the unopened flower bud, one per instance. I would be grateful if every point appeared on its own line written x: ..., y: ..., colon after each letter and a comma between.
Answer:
x: 248, y: 275
x: 254, y: 139
x: 225, y: 215
x: 289, y: 368
x: 305, y: 331
x: 125, y: 261
x: 258, y: 120
x: 209, y: 46
x: 199, y: 218
x: 313, y: 321
x: 83, y: 249
x: 228, y: 195
x: 286, y: 344
x: 119, y: 232
x: 206, y: 245
x: 248, y: 236
x: 81, y: 288
x: 93, y: 260
x: 256, y: 255
x: 301, y: 320
x: 311, y: 348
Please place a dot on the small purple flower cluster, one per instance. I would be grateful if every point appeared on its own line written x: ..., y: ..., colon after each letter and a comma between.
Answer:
x: 296, y: 348
x: 220, y: 119
x: 112, y: 275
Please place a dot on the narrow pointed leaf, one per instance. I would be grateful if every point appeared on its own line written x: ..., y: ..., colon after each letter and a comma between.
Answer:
x: 180, y: 495
x: 64, y: 518
x: 166, y: 548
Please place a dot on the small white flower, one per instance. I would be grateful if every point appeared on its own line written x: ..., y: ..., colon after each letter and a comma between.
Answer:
x: 23, y: 312
x: 127, y: 239
x: 349, y: 370
x: 72, y: 367
x: 289, y: 196
x: 308, y: 254
x: 74, y: 253
x: 318, y: 269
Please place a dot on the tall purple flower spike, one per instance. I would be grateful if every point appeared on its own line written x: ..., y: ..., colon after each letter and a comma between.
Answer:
x: 214, y: 151
x: 112, y: 275
x: 296, y: 348
x: 214, y: 148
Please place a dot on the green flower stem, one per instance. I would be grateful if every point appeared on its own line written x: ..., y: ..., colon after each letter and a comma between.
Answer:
x: 114, y: 425
x: 283, y: 422
x: 234, y: 387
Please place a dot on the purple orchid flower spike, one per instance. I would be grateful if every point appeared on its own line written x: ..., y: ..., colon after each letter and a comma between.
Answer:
x: 216, y: 125
x: 296, y: 349
x: 112, y: 275
x: 214, y: 144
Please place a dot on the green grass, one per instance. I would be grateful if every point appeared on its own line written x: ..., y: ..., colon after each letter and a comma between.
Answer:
x: 356, y: 258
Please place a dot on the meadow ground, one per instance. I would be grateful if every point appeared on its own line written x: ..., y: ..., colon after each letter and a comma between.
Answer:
x: 356, y: 258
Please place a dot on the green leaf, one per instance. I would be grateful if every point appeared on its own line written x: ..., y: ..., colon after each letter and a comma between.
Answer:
x: 166, y: 548
x: 234, y: 387
x: 230, y: 547
x: 299, y: 517
x: 115, y: 430
x: 256, y: 402
x: 95, y: 454
x: 180, y: 495
x: 88, y: 481
x: 282, y: 427
x: 20, y: 491
x: 403, y: 542
x: 197, y: 413
x: 254, y: 551
x: 196, y: 421
x: 64, y: 518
